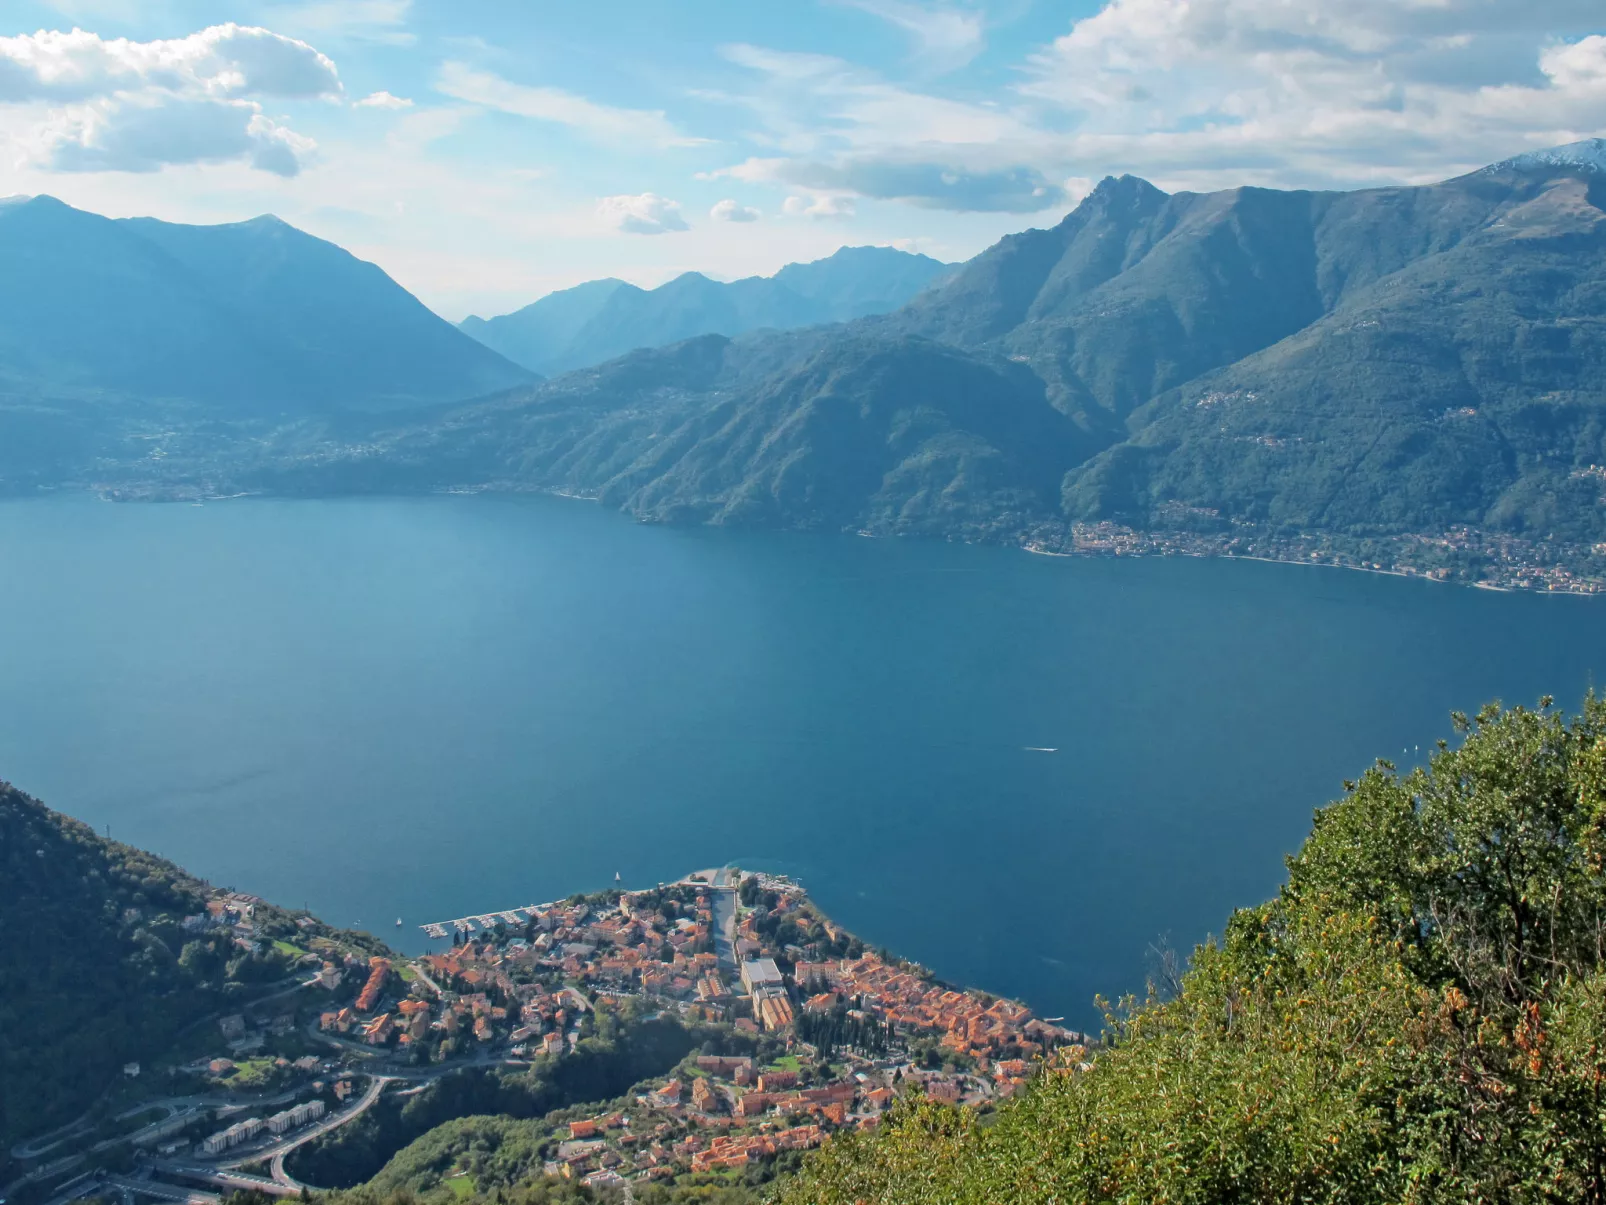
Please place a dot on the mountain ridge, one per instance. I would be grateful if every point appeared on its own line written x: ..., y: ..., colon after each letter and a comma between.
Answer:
x: 1403, y: 375
x: 599, y: 320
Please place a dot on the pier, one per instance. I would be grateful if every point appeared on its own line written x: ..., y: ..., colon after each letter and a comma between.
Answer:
x: 468, y: 925
x: 484, y: 920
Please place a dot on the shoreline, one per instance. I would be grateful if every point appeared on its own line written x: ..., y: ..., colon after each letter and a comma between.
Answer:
x: 1114, y: 541
x: 1583, y: 590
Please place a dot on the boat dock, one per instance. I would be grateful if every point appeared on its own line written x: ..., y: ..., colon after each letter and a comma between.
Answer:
x: 483, y: 921
x: 466, y: 925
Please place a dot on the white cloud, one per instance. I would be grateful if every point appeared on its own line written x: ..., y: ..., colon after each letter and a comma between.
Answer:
x: 379, y: 21
x: 222, y: 61
x: 730, y: 211
x: 1580, y: 65
x: 604, y: 123
x: 140, y: 136
x: 647, y: 213
x: 945, y: 37
x: 382, y: 100
x: 869, y: 138
x: 1212, y: 91
x: 823, y: 206
x: 79, y: 102
x: 1191, y: 93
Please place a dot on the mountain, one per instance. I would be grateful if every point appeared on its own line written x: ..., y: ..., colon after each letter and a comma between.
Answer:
x: 812, y: 429
x: 603, y: 319
x: 1455, y: 374
x: 539, y: 335
x: 1395, y: 360
x: 250, y: 318
x: 1279, y: 373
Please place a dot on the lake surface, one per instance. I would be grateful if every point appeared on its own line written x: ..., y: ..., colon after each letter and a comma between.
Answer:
x: 431, y: 707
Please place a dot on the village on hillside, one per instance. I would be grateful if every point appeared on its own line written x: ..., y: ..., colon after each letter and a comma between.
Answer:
x: 802, y: 1030
x: 834, y: 1032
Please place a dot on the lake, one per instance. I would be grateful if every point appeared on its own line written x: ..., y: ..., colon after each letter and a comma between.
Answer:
x: 430, y: 707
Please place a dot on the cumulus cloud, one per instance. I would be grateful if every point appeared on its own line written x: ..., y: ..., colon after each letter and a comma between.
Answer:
x: 823, y: 206
x: 730, y: 211
x: 78, y: 102
x: 382, y: 100
x: 602, y: 122
x: 222, y: 61
x: 646, y: 213
x: 135, y: 136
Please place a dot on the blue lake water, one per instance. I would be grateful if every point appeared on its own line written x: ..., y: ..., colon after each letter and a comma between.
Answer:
x: 430, y: 707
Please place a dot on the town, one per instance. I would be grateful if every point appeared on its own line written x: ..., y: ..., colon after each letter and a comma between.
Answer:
x: 805, y: 1032
x: 1463, y: 555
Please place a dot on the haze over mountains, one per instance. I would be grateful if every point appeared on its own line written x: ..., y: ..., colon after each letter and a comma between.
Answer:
x: 602, y: 319
x: 255, y: 317
x: 1391, y: 360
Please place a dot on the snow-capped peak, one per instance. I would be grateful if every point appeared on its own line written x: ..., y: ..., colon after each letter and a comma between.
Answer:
x: 1589, y: 154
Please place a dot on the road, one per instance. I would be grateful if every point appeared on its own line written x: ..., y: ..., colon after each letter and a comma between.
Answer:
x: 32, y: 1148
x: 722, y: 902
x: 232, y: 1180
x: 334, y: 1121
x: 163, y: 1192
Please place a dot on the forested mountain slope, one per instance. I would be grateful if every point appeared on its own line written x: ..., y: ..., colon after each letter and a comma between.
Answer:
x: 807, y: 430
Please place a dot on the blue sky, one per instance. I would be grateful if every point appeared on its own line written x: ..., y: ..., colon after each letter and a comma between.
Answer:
x: 486, y: 153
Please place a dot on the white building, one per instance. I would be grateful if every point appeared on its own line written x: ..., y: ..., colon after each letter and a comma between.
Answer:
x: 759, y: 973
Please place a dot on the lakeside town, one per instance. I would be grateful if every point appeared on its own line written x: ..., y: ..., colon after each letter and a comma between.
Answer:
x: 802, y: 1032
x: 1464, y: 556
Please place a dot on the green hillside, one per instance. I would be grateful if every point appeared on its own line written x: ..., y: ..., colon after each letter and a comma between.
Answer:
x: 96, y: 968
x: 1418, y: 1016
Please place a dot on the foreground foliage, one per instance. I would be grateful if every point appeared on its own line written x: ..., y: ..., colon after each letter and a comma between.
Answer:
x: 1419, y: 1016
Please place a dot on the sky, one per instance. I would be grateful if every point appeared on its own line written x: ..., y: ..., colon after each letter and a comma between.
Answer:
x: 486, y: 152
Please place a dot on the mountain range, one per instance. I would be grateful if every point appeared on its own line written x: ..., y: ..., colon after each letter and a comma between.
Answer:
x: 1391, y: 362
x: 603, y: 319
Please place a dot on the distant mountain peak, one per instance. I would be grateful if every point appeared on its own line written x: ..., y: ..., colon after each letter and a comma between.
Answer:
x: 598, y: 321
x: 1590, y: 154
